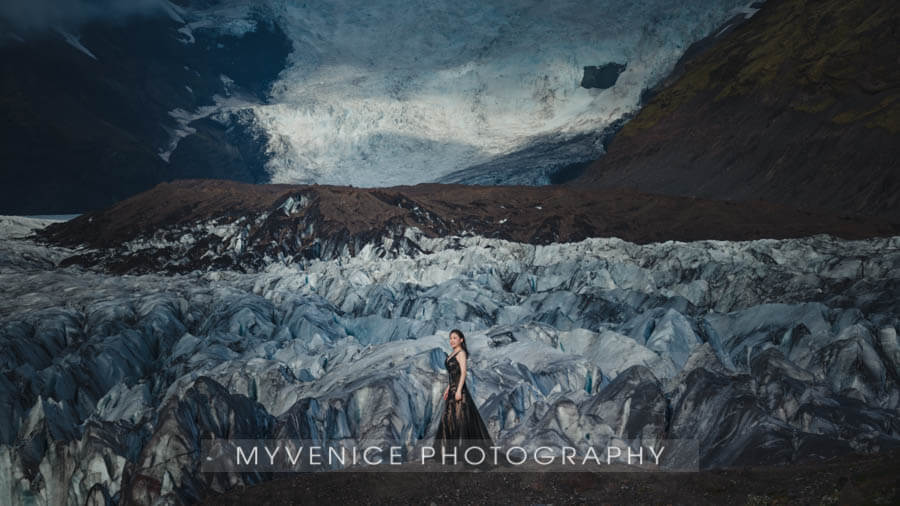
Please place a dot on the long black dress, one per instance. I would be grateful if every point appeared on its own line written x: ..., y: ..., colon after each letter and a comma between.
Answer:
x: 461, y: 426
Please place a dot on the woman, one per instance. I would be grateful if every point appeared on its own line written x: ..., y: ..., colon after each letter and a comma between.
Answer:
x: 461, y: 426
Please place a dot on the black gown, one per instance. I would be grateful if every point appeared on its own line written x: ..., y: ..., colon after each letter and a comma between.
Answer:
x: 461, y: 426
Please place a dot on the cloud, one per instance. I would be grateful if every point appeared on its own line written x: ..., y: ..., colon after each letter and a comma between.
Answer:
x: 39, y: 15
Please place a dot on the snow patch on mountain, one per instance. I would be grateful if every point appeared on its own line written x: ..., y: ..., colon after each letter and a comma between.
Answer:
x: 220, y: 111
x: 75, y: 41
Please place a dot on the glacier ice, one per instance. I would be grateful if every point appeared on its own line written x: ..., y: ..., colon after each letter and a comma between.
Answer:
x: 467, y: 83
x: 765, y: 351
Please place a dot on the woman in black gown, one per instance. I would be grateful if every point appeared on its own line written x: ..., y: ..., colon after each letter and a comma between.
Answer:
x: 461, y: 426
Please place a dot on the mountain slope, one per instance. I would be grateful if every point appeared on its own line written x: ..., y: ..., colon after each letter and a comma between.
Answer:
x: 84, y: 128
x: 799, y: 106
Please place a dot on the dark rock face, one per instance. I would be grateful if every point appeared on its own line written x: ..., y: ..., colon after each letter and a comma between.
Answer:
x: 82, y: 133
x: 786, y: 108
x: 232, y: 150
x: 603, y: 76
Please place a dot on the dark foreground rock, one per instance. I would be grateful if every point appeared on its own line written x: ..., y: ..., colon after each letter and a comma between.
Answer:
x: 870, y: 479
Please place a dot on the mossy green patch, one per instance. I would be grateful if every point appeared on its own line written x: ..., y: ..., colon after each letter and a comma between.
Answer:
x: 812, y: 105
x: 888, y: 117
x: 833, y: 52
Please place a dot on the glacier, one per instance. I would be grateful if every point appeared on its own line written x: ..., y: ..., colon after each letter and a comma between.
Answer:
x: 398, y: 92
x: 765, y: 351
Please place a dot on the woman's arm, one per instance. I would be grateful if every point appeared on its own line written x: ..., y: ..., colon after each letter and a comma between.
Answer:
x: 461, y: 358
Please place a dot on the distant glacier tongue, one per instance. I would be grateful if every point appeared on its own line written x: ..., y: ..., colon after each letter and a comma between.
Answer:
x: 399, y: 92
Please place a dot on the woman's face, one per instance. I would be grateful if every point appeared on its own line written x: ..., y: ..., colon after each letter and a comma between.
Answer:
x: 454, y: 340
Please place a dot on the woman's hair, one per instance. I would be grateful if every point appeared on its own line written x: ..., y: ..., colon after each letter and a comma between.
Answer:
x: 463, y: 342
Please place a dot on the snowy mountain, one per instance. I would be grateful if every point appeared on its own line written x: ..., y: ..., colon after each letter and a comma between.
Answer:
x: 765, y: 351
x: 102, y: 107
x: 387, y: 93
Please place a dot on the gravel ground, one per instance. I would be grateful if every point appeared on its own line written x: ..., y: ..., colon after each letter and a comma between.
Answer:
x: 858, y: 479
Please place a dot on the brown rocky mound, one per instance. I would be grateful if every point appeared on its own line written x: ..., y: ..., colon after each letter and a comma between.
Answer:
x: 537, y: 215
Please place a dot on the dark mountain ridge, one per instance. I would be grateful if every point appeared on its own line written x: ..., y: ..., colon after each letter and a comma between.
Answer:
x: 84, y: 131
x: 799, y: 106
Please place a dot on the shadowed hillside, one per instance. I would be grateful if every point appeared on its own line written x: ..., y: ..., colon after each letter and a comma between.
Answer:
x: 798, y: 106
